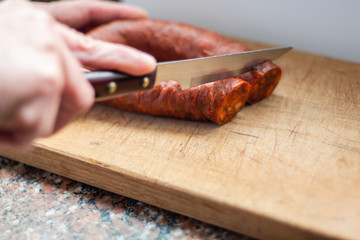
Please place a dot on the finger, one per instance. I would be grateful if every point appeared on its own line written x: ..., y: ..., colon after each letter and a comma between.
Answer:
x: 37, y: 117
x: 103, y: 12
x: 8, y: 139
x: 104, y: 55
x: 15, y: 140
x: 78, y: 95
x: 78, y: 15
x: 36, y: 113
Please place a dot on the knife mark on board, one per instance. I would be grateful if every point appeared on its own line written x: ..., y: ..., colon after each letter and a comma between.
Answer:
x: 188, y: 139
x: 343, y: 146
x: 245, y: 134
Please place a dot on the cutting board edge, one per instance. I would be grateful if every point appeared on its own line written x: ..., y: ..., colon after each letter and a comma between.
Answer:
x: 188, y: 204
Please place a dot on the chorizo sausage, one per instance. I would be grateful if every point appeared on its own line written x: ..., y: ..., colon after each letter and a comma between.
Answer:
x: 217, y: 101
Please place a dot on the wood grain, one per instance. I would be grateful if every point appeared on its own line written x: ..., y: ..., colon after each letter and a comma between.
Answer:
x: 288, y: 166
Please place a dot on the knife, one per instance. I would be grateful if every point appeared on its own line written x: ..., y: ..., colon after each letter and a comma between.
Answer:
x: 188, y: 73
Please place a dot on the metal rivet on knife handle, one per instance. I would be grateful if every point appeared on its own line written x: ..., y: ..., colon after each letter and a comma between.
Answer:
x: 111, y: 87
x: 146, y: 82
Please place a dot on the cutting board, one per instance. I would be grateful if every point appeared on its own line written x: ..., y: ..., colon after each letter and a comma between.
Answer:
x: 286, y: 167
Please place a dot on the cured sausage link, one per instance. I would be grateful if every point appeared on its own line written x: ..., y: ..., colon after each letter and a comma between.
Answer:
x: 167, y: 41
x: 217, y: 101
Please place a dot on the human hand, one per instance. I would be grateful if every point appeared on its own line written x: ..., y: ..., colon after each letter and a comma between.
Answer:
x: 42, y: 87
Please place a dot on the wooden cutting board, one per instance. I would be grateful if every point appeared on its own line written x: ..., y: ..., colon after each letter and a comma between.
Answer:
x: 286, y: 167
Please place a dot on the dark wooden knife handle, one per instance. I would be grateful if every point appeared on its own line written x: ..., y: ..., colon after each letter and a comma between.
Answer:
x: 110, y: 84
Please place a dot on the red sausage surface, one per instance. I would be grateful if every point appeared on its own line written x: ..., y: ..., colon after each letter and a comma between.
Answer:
x: 218, y: 101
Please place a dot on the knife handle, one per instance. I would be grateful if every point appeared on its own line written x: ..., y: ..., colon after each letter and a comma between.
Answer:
x: 110, y: 84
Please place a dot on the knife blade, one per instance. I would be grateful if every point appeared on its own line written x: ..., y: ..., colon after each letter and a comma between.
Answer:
x: 188, y: 73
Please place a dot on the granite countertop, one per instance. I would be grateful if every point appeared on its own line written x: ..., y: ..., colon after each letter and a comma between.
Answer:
x: 35, y: 204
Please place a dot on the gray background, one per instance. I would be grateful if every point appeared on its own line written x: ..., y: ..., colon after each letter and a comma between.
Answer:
x: 325, y: 27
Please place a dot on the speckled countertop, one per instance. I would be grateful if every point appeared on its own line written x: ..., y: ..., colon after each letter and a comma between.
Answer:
x: 36, y: 204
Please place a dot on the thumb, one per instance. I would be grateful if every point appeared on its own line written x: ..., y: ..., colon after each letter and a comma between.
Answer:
x: 103, y: 55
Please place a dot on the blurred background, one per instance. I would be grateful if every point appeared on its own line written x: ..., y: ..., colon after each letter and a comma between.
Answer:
x: 324, y: 27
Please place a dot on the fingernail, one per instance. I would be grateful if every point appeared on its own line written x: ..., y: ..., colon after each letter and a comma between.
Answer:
x: 135, y: 11
x: 142, y: 12
x: 149, y: 60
